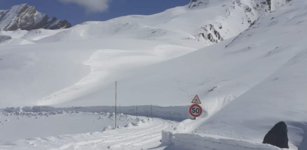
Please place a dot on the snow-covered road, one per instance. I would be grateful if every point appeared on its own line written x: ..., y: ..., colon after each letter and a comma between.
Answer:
x: 140, y: 133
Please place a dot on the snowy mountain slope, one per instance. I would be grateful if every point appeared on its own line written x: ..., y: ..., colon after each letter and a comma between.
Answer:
x: 184, y: 25
x: 26, y: 17
x: 281, y: 97
x: 107, y: 66
x: 22, y: 37
x: 241, y: 63
x: 181, y: 25
x: 14, y: 34
x: 52, y: 67
x: 16, y: 37
x: 175, y: 77
x: 217, y: 74
x: 243, y: 123
x: 109, y: 48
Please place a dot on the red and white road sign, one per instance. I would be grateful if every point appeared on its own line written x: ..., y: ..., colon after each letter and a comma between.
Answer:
x: 195, y: 110
x: 196, y: 100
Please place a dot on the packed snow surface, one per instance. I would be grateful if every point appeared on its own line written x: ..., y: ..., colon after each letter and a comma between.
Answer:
x: 79, y: 130
x: 43, y: 124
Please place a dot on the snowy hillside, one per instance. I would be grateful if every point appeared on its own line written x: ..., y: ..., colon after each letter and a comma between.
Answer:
x: 280, y: 97
x: 186, y: 25
x: 246, y: 61
x: 106, y: 50
x: 221, y: 72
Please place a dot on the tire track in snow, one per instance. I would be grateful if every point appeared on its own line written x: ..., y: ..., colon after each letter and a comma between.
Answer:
x: 128, y: 140
x: 145, y: 135
x: 139, y: 141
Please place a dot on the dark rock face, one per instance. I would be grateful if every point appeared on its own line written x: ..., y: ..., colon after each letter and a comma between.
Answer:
x: 54, y: 23
x: 209, y: 33
x: 26, y: 17
x: 195, y: 3
x: 277, y: 136
x: 216, y: 31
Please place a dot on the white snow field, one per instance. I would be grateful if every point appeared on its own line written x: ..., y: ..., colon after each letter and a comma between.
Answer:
x: 246, y: 61
x: 86, y: 131
x: 57, y: 123
x: 73, y: 64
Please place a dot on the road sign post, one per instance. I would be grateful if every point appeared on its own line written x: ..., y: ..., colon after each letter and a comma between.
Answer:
x: 115, y: 103
x: 195, y: 109
x: 196, y: 100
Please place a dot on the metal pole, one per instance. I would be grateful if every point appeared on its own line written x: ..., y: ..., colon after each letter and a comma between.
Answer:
x: 115, y: 101
x: 136, y: 112
x: 151, y: 112
x: 120, y: 109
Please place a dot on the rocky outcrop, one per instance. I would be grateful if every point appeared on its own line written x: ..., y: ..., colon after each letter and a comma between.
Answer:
x: 54, y: 23
x: 26, y: 17
x: 195, y: 3
x: 228, y: 25
x: 277, y: 136
x: 209, y: 33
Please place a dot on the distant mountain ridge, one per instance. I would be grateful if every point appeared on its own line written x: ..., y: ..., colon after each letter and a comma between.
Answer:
x: 26, y: 17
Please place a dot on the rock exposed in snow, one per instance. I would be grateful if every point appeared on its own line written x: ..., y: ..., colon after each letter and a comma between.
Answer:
x: 195, y: 3
x: 277, y: 136
x: 26, y: 17
x: 248, y: 11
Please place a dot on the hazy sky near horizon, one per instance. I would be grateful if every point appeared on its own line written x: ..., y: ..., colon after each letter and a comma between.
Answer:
x: 78, y: 11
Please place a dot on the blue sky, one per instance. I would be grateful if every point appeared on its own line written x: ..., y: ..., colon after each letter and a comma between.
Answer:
x: 78, y: 12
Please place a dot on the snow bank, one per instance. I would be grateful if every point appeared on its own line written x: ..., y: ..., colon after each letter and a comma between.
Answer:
x: 108, y: 128
x: 172, y: 112
x: 43, y: 133
x: 24, y: 125
x: 167, y: 137
x: 196, y: 142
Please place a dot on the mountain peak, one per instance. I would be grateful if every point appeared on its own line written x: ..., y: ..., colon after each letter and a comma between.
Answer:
x: 23, y: 4
x: 26, y: 17
x: 20, y: 5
